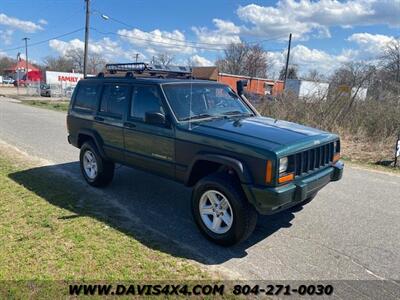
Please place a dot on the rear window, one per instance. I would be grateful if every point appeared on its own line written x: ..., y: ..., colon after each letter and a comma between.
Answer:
x: 86, y: 97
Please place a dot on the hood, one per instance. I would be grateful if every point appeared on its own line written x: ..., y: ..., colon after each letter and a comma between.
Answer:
x: 270, y: 132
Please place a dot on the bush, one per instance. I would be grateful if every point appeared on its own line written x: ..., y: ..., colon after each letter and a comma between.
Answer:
x: 370, y: 123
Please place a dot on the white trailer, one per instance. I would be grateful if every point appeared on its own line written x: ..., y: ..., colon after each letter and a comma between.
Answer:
x: 305, y: 89
x: 63, y: 79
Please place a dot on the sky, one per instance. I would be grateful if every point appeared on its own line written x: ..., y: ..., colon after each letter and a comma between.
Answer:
x: 326, y: 33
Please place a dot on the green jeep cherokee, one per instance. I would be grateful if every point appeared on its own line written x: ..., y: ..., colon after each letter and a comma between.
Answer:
x: 204, y: 135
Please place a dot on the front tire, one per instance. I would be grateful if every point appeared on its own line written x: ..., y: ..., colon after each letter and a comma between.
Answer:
x: 97, y: 171
x: 221, y: 210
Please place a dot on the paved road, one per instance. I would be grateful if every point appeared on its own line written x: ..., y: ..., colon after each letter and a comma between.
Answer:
x: 350, y: 231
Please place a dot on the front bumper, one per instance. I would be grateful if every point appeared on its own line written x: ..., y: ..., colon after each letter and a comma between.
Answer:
x: 269, y: 200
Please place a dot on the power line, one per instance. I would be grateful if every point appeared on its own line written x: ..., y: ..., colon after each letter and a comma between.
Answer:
x: 43, y: 41
x: 106, y: 16
x: 165, y: 44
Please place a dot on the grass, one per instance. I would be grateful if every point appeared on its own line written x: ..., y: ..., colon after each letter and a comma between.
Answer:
x: 42, y: 237
x: 372, y: 166
x: 49, y: 104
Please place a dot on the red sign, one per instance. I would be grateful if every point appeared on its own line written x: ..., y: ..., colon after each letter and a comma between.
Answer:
x: 68, y: 78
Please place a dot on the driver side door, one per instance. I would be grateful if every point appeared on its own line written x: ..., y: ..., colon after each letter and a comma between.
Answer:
x: 147, y: 146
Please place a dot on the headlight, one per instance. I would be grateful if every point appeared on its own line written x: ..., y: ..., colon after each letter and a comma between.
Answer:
x: 283, y: 165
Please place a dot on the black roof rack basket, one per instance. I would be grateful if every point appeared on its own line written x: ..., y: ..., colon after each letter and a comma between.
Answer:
x: 141, y: 69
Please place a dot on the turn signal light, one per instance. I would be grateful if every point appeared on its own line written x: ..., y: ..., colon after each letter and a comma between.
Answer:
x: 268, y: 172
x: 336, y: 157
x: 286, y: 178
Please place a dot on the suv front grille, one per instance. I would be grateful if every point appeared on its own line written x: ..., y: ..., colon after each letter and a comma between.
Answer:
x: 310, y: 160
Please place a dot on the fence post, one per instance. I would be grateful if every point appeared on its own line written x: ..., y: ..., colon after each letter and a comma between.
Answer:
x: 396, y: 150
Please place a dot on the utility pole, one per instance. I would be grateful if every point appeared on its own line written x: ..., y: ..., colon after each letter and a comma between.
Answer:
x: 287, y: 61
x: 137, y: 57
x: 26, y: 56
x: 85, y: 54
x: 17, y: 72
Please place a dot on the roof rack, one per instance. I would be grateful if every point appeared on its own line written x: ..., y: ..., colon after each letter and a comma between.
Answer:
x: 141, y: 69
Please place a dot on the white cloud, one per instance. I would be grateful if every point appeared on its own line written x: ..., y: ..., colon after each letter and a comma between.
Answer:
x: 25, y: 26
x: 200, y: 61
x: 307, y: 58
x: 371, y: 43
x: 6, y: 36
x: 304, y: 18
x: 157, y: 41
x: 43, y: 22
x: 107, y: 48
x: 225, y: 33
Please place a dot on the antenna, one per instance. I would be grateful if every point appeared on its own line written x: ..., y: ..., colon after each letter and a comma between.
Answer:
x: 190, y: 100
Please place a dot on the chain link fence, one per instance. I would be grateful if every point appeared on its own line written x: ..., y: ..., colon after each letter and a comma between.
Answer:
x: 52, y: 91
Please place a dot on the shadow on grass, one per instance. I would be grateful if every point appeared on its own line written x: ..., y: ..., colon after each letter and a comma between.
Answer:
x: 150, y: 209
x: 385, y: 163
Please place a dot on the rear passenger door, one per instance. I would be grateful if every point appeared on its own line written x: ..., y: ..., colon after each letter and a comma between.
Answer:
x: 109, y: 118
x: 149, y: 147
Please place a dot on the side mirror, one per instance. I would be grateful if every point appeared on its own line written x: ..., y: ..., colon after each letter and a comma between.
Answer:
x: 240, y: 85
x: 155, y: 118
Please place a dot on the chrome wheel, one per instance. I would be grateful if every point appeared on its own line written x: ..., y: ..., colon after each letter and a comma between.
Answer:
x: 90, y: 164
x: 216, y: 212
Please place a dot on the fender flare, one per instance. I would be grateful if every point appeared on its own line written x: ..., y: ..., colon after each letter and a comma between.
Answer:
x: 235, y: 164
x: 96, y: 138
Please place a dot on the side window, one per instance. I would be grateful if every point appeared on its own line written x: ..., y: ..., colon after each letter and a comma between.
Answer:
x: 86, y: 97
x: 114, y: 99
x: 145, y: 99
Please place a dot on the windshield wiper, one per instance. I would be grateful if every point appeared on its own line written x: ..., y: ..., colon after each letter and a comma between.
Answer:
x: 235, y: 112
x: 195, y: 117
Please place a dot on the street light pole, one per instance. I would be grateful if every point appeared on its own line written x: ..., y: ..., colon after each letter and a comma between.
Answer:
x: 85, y: 54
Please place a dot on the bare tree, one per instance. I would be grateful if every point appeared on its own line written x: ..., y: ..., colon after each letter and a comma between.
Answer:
x: 61, y: 64
x: 355, y: 75
x: 256, y: 62
x: 77, y: 58
x: 292, y: 73
x: 164, y: 59
x: 314, y: 75
x: 6, y: 63
x: 391, y: 58
x: 96, y: 63
x: 243, y: 59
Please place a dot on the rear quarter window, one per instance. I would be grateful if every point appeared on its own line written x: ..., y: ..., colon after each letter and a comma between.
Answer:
x: 86, y: 97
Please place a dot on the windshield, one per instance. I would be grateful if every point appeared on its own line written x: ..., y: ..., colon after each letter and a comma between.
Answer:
x: 198, y: 101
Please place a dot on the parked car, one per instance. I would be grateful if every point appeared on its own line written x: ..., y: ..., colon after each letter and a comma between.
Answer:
x: 45, y: 90
x: 8, y: 80
x: 205, y: 136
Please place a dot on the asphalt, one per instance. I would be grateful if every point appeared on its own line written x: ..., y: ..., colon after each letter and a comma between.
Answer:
x: 350, y: 231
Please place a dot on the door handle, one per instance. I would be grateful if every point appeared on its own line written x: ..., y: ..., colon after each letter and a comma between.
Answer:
x: 129, y: 125
x: 97, y: 118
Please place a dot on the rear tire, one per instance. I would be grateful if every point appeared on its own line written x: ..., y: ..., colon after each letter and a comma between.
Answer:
x: 97, y: 171
x: 238, y: 219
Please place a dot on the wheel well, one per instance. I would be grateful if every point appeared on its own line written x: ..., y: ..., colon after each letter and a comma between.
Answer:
x: 204, y: 168
x: 82, y: 138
